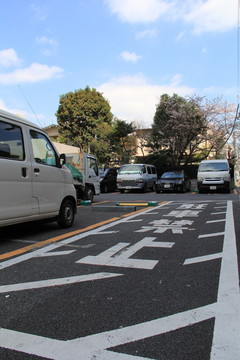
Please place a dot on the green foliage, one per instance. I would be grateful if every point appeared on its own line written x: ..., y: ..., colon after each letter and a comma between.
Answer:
x: 122, y: 143
x: 81, y: 115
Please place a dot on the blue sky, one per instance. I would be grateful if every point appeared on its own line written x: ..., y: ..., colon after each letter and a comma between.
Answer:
x: 132, y: 51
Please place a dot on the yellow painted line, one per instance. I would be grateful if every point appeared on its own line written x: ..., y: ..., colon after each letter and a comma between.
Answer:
x: 133, y: 204
x: 54, y: 239
x: 141, y: 210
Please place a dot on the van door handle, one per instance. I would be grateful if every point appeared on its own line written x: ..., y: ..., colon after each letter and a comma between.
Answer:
x: 36, y: 171
x: 24, y: 172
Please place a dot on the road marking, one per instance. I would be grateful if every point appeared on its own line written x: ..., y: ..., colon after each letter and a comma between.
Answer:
x: 54, y: 239
x: 199, y: 259
x: 120, y: 254
x: 51, y: 244
x: 56, y: 282
x: 211, y: 235
x: 97, y: 346
x: 217, y: 213
x: 226, y: 344
x: 215, y: 221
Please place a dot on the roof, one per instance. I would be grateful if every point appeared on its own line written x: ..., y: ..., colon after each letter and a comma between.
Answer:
x: 66, y: 149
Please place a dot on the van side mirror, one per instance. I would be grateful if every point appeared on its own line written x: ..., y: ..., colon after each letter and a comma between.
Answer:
x: 62, y: 159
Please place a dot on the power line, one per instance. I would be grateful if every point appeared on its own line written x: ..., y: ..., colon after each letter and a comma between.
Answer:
x: 29, y: 104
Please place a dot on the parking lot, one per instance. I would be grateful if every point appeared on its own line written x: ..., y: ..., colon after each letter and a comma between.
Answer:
x: 151, y: 283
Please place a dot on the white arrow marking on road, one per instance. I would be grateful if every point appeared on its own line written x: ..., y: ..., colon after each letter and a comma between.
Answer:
x: 56, y: 282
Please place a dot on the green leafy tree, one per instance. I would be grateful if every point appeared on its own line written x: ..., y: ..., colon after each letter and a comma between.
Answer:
x: 177, y: 124
x: 80, y: 115
x: 122, y: 142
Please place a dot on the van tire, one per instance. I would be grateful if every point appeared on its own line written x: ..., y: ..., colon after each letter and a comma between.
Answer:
x: 88, y: 193
x: 66, y: 214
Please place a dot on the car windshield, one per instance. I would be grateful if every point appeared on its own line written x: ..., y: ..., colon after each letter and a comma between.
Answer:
x: 130, y: 169
x: 213, y: 166
x: 172, y: 174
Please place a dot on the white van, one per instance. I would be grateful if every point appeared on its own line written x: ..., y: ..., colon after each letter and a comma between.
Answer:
x: 214, y: 175
x: 34, y: 183
x: 136, y: 177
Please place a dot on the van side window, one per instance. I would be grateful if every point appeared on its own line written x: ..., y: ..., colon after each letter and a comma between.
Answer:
x: 11, y: 142
x: 149, y: 170
x: 154, y: 170
x: 42, y: 149
x: 144, y: 170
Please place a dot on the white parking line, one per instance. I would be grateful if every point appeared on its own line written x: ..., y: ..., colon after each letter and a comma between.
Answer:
x: 226, y: 344
x: 56, y: 282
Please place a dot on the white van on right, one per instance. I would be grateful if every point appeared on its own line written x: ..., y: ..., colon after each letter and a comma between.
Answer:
x: 214, y: 175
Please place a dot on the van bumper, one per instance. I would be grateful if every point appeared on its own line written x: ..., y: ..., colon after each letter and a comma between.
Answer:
x: 221, y: 186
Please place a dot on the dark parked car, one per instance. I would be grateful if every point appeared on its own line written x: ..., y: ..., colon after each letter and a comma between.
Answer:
x: 173, y: 181
x: 108, y: 180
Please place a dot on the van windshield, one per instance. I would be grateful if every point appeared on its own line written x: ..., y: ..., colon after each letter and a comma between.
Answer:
x: 217, y: 166
x: 131, y: 169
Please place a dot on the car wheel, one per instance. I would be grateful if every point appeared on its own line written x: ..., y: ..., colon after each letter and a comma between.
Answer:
x: 88, y: 194
x: 66, y: 214
x: 144, y: 188
x: 105, y: 188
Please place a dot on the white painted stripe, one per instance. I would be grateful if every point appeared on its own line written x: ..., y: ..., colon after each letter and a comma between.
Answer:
x: 57, y: 253
x: 94, y: 346
x: 220, y: 212
x: 211, y: 235
x: 199, y: 259
x: 226, y: 344
x: 215, y: 221
x: 56, y: 282
x: 220, y: 207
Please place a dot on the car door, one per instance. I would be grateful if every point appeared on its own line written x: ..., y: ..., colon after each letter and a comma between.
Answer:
x: 15, y: 174
x: 47, y: 177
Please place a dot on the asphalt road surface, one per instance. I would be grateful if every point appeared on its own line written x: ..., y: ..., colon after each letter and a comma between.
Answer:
x: 128, y: 281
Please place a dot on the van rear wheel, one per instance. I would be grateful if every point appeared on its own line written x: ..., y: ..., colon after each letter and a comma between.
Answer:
x: 66, y: 214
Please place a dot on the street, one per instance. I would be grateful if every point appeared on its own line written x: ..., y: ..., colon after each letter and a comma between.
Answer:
x: 128, y: 281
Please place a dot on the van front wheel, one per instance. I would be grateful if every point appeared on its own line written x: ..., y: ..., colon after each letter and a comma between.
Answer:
x: 66, y: 214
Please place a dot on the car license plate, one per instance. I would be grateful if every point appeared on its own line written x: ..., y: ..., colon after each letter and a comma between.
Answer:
x: 213, y: 188
x: 167, y: 186
x: 128, y: 187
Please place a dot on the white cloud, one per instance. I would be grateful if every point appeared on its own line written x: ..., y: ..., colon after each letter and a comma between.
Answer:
x: 135, y: 11
x: 203, y: 15
x: 149, y: 33
x: 212, y: 15
x: 127, y: 56
x: 49, y: 45
x: 34, y: 73
x: 9, y: 57
x: 39, y: 11
x: 133, y: 98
